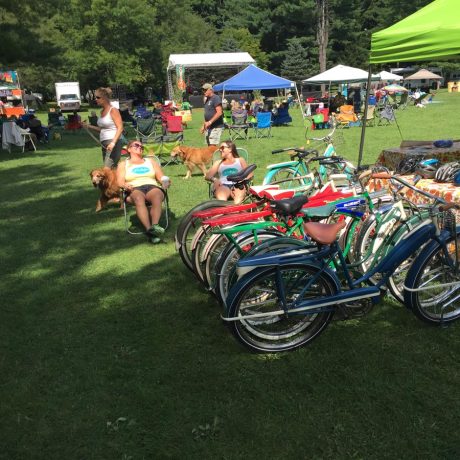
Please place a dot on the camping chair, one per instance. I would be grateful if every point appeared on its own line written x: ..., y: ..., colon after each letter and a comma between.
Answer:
x: 165, y: 214
x: 216, y: 156
x: 370, y: 119
x: 227, y: 113
x: 262, y: 128
x: 282, y: 117
x: 346, y: 116
x: 238, y: 129
x: 12, y: 134
x: 174, y: 125
x: 146, y: 129
x: 403, y: 101
x: 386, y: 115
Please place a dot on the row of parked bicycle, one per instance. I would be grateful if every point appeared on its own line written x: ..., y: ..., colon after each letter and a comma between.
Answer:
x: 288, y: 260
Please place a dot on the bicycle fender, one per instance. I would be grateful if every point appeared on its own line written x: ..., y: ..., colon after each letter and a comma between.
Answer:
x: 282, y: 165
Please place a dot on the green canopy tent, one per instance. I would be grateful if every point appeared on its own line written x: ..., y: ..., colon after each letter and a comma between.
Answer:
x: 433, y: 32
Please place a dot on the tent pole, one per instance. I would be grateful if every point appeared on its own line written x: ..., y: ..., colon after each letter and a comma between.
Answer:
x: 300, y: 103
x: 366, y: 106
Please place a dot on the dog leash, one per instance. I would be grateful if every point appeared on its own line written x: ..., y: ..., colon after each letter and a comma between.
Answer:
x: 93, y: 136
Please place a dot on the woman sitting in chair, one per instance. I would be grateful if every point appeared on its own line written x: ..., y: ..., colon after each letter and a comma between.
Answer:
x: 144, y: 181
x: 230, y: 163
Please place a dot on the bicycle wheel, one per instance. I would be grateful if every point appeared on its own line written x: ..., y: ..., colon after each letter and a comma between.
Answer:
x: 200, y: 239
x: 187, y: 228
x: 223, y: 269
x: 396, y: 281
x: 257, y: 293
x: 438, y: 300
x: 286, y: 178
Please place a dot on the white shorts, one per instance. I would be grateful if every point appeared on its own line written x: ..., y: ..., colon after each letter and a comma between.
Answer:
x: 213, y: 136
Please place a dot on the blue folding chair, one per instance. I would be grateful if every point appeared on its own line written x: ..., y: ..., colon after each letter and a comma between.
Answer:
x: 263, y: 126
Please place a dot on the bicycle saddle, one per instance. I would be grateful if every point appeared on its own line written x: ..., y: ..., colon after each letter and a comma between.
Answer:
x: 289, y: 206
x: 242, y: 175
x: 323, y: 233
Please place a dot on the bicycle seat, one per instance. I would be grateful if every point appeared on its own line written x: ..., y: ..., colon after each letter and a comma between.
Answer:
x: 242, y: 175
x: 290, y: 206
x: 323, y: 233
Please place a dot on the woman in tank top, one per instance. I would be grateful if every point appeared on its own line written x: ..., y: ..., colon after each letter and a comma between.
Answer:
x: 230, y: 163
x: 144, y: 180
x: 110, y: 127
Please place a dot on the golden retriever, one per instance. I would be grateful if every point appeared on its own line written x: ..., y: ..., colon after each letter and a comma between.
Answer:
x: 105, y: 179
x: 194, y: 156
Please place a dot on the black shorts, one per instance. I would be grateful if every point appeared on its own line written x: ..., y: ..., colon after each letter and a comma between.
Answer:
x: 146, y: 188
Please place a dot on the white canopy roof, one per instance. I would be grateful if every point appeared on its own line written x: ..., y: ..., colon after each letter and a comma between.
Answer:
x: 387, y: 76
x: 210, y: 60
x: 339, y: 74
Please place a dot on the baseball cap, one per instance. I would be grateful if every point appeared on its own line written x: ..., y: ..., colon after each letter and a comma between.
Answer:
x: 207, y: 86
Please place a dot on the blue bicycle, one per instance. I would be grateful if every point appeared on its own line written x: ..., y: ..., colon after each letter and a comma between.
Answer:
x: 284, y: 301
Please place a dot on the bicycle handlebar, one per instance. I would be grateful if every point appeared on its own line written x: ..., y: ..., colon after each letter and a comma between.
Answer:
x: 297, y: 150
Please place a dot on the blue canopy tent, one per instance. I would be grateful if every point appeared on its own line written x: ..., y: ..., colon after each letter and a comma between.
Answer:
x: 254, y: 78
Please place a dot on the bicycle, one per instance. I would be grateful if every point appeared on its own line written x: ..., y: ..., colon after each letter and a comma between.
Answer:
x: 286, y: 301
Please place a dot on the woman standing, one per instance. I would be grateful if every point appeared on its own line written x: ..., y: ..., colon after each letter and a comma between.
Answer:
x: 110, y: 127
x: 144, y: 180
x: 230, y: 163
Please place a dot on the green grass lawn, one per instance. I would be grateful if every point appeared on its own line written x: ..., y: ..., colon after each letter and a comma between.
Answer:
x: 111, y: 350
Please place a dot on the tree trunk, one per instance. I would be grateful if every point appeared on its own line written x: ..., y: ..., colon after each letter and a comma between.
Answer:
x: 322, y: 33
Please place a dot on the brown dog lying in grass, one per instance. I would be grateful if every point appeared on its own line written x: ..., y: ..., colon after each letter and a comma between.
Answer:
x: 105, y: 179
x: 194, y: 157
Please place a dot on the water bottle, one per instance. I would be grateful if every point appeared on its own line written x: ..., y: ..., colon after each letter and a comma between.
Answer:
x: 165, y: 181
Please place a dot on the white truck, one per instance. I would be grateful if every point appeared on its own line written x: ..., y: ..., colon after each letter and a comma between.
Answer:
x: 68, y: 95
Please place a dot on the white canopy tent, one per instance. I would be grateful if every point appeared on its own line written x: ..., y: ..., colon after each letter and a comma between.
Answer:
x: 339, y: 74
x: 387, y: 76
x: 204, y: 60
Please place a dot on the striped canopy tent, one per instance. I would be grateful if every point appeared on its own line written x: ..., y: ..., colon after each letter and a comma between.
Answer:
x: 432, y: 33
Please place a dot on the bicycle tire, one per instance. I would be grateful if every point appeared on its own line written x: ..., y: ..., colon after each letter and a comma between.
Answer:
x: 226, y: 263
x: 256, y: 292
x: 187, y: 227
x: 435, y: 306
x: 396, y: 281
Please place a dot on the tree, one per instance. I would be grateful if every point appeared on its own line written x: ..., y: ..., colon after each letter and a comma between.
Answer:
x: 297, y: 64
x: 322, y: 32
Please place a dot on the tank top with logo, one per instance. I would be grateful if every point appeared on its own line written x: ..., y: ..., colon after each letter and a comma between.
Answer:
x: 137, y: 174
x: 226, y: 170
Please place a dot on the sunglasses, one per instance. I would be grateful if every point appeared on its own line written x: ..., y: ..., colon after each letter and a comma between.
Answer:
x: 223, y: 147
x: 98, y: 97
x: 137, y: 146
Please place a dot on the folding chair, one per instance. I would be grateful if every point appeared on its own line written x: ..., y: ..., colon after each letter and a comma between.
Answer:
x: 146, y: 129
x: 386, y: 115
x: 370, y: 119
x: 238, y: 129
x: 165, y: 213
x: 227, y: 117
x: 174, y: 125
x: 282, y: 117
x: 346, y: 116
x: 263, y: 125
x: 167, y: 143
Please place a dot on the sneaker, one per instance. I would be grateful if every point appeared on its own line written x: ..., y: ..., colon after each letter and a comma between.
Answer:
x: 156, y: 230
x: 155, y: 240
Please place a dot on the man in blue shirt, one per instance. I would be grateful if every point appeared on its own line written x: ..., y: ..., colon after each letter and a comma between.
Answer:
x: 213, y: 124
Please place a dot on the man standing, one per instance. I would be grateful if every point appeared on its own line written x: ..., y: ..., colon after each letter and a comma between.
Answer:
x: 213, y: 119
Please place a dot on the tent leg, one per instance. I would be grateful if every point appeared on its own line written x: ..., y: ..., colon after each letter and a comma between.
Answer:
x: 366, y: 106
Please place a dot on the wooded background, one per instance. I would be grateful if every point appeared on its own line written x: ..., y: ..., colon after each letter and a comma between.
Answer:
x: 103, y: 42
